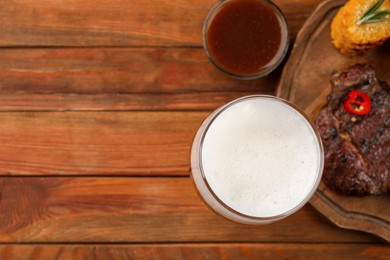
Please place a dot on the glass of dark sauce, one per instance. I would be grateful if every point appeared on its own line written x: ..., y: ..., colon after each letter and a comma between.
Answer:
x: 245, y: 39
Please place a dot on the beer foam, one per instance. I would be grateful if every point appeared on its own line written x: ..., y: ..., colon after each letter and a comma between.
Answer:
x: 261, y: 157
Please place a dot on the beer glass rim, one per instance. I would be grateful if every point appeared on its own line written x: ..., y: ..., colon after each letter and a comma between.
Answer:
x: 285, y: 42
x: 213, y: 116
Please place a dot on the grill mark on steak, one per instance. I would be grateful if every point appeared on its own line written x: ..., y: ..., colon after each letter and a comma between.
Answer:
x: 366, y: 144
x: 357, y: 148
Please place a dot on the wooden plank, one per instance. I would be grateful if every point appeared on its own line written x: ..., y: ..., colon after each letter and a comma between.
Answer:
x: 196, y: 251
x: 135, y: 210
x: 117, y: 71
x: 117, y: 22
x: 198, y: 101
x: 97, y: 143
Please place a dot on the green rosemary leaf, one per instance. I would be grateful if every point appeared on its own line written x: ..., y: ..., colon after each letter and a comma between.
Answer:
x: 380, y: 14
x: 373, y: 8
x: 377, y: 20
x: 371, y: 16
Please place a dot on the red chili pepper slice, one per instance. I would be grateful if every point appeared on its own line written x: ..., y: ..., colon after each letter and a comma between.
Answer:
x: 357, y: 103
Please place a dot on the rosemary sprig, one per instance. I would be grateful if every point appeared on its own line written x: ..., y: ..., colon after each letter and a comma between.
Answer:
x: 371, y: 16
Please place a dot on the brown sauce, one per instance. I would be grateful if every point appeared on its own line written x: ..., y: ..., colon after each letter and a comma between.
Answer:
x: 244, y: 36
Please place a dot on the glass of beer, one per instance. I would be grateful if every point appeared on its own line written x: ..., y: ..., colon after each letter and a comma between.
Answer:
x: 257, y: 159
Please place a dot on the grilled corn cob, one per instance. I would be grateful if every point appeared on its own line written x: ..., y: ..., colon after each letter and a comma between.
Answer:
x: 352, y: 35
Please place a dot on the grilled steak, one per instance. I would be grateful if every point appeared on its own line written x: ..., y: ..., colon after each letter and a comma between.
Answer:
x: 357, y: 147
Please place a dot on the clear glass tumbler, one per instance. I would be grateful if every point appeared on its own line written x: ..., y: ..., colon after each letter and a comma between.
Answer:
x: 241, y: 124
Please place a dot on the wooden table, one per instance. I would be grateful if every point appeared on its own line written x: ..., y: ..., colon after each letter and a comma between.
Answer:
x: 99, y: 102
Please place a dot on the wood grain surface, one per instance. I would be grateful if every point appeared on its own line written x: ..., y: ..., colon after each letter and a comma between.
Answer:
x: 139, y: 210
x: 97, y: 143
x: 116, y: 71
x: 191, y: 101
x: 117, y: 22
x: 117, y: 79
x: 99, y: 102
x: 194, y: 251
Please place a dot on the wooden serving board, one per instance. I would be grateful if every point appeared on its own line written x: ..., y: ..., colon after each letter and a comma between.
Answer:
x: 306, y: 82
